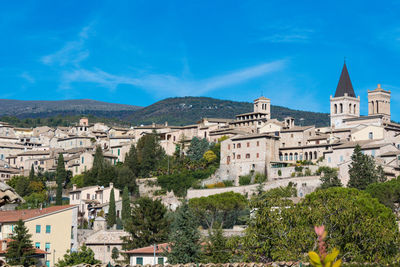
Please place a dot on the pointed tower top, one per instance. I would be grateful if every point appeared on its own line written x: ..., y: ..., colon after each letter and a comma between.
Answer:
x: 344, y: 86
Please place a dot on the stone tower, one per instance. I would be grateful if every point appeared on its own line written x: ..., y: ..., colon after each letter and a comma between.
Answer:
x: 344, y: 104
x: 379, y: 102
x: 263, y: 105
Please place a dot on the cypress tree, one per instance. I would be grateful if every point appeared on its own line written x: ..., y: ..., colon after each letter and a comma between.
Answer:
x: 112, y: 214
x: 20, y: 249
x: 184, y: 238
x: 60, y: 176
x: 126, y: 206
x: 32, y: 174
x: 132, y: 162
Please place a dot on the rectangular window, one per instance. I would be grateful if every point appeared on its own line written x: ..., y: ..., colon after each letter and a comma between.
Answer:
x: 38, y: 229
x: 247, y: 156
x: 83, y: 160
x: 258, y: 155
x: 47, y: 247
x: 371, y: 135
x: 373, y: 153
x: 37, y: 245
x: 229, y: 147
x: 248, y: 144
x: 258, y: 143
x: 87, y: 196
x: 341, y: 158
x: 119, y: 151
x: 47, y: 263
x: 238, y: 157
x: 160, y: 261
x: 239, y: 145
x: 139, y: 261
x: 48, y: 229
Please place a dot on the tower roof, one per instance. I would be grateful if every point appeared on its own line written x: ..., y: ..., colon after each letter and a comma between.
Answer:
x: 344, y: 86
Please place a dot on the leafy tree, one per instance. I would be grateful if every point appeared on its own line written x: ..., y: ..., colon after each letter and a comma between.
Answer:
x: 20, y: 249
x: 34, y: 201
x: 21, y: 185
x: 112, y: 214
x: 150, y: 153
x: 197, y: 148
x: 329, y: 177
x: 126, y: 206
x: 125, y: 177
x: 388, y: 193
x: 114, y: 253
x: 359, y: 226
x: 78, y: 180
x: 362, y: 170
x: 223, y: 208
x: 60, y: 174
x: 184, y: 237
x: 210, y: 156
x: 83, y: 255
x: 147, y: 224
x: 132, y: 162
x: 381, y: 174
x: 216, y: 249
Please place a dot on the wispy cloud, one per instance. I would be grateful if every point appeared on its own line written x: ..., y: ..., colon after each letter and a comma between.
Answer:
x: 163, y: 84
x: 73, y: 52
x: 26, y: 76
x: 289, y: 35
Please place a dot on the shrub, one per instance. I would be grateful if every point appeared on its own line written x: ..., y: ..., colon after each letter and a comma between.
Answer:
x: 228, y: 183
x: 298, y: 168
x: 216, y: 185
x: 260, y: 178
x: 293, y: 174
x: 279, y: 173
x: 307, y: 172
x: 245, y: 180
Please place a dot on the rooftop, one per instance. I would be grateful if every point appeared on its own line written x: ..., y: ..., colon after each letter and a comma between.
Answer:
x: 15, y: 215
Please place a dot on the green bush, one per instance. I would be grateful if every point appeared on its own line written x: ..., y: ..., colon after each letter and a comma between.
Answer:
x: 293, y: 174
x: 245, y: 180
x: 307, y: 172
x: 260, y: 178
x: 228, y: 183
x: 279, y: 173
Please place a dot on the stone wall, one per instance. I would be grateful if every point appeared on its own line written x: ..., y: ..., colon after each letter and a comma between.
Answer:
x: 304, y: 185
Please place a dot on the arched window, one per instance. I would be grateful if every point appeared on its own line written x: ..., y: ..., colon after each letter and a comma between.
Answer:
x: 335, y: 108
x: 286, y: 157
x: 295, y: 156
x: 377, y: 107
x: 310, y: 155
x: 306, y: 156
x: 315, y: 155
x: 290, y: 156
x: 341, y: 108
x: 280, y: 157
x: 355, y: 109
x: 349, y: 108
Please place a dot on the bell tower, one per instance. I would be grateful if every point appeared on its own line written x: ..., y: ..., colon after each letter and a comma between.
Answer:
x: 379, y: 102
x: 344, y: 104
x: 263, y: 105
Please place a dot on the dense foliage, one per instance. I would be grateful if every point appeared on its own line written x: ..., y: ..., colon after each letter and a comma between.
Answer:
x: 359, y: 226
x: 362, y: 170
x: 223, y: 209
x: 329, y: 177
x: 20, y: 249
x: 184, y: 237
x: 388, y: 193
x: 72, y: 258
x: 147, y: 224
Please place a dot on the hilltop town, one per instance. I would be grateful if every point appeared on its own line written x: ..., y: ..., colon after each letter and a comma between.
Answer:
x: 246, y: 155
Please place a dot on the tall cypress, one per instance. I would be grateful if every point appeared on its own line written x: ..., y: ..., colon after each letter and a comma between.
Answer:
x: 32, y: 174
x: 126, y: 206
x: 112, y: 214
x: 60, y: 176
x: 362, y: 170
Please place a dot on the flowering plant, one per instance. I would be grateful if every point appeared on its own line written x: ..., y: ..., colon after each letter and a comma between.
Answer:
x: 323, y: 259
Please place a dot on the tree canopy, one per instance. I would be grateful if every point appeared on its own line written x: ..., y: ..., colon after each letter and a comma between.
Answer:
x: 72, y: 258
x: 362, y: 170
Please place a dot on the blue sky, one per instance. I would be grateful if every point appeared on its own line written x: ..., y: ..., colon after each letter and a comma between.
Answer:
x: 139, y: 52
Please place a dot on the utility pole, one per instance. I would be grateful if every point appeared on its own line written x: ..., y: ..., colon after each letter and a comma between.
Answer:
x: 155, y: 254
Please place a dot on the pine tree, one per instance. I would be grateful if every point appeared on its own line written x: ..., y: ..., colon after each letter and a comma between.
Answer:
x: 362, y: 170
x: 381, y: 174
x: 184, y: 238
x: 147, y: 224
x: 112, y: 214
x: 216, y: 250
x: 32, y: 174
x: 126, y: 206
x: 60, y: 176
x: 20, y: 249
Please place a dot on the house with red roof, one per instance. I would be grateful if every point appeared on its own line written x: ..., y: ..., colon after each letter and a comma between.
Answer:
x: 148, y: 255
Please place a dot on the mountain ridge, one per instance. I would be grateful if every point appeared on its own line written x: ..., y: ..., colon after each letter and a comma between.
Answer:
x: 175, y: 110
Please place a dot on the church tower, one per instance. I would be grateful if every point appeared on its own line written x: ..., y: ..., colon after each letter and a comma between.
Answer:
x: 263, y: 105
x: 344, y: 104
x: 379, y: 102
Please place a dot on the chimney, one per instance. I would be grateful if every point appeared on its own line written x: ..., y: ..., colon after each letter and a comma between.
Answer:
x: 74, y: 187
x: 153, y: 125
x: 166, y: 124
x: 111, y: 185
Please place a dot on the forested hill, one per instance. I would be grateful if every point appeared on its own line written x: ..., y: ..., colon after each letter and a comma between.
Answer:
x: 188, y: 110
x: 177, y: 111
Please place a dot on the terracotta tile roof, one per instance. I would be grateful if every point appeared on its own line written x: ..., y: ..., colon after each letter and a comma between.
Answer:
x: 161, y: 248
x: 37, y: 250
x: 15, y: 215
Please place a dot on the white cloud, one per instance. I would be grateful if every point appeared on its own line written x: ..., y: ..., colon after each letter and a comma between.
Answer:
x: 72, y: 52
x: 27, y: 77
x: 166, y: 85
